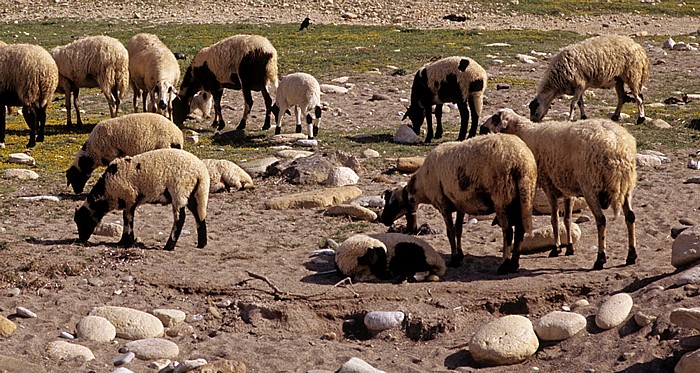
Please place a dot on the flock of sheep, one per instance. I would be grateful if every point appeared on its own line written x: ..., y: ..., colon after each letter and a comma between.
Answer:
x: 478, y: 175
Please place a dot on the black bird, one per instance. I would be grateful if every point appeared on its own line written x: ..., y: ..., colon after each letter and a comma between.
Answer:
x: 305, y: 23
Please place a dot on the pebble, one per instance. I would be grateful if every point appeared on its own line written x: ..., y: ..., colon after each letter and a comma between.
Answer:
x: 508, y: 340
x: 62, y: 350
x: 582, y: 219
x: 153, y: 349
x: 501, y: 86
x: 689, y: 363
x: 690, y: 276
x: 330, y: 88
x: 21, y: 311
x: 614, y: 311
x: 95, y: 328
x: 66, y: 335
x: 169, y: 317
x: 688, y: 222
x: 122, y: 370
x: 124, y: 359
x: 306, y: 143
x: 579, y: 303
x: 21, y: 158
x: 188, y: 365
x: 369, y: 201
x: 40, y: 198
x: 293, y: 154
x: 330, y: 336
x: 642, y: 319
x: 382, y: 320
x: 159, y: 364
x: 131, y: 323
x: 675, y: 231
x: 686, y: 317
x: 179, y: 330
x: 223, y: 303
x: 14, y: 292
x: 95, y: 281
x: 686, y: 247
x: 341, y: 176
x: 357, y: 365
x: 7, y: 327
x: 214, y: 312
x: 353, y: 211
x: 379, y: 97
x: 370, y: 153
x: 558, y: 325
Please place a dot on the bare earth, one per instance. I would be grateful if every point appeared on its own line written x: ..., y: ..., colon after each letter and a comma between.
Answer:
x: 283, y: 333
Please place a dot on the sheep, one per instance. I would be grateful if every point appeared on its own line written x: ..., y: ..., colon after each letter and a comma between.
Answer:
x: 479, y: 176
x: 162, y: 176
x: 453, y: 79
x: 387, y: 256
x: 240, y: 62
x: 28, y: 78
x: 201, y: 105
x: 130, y: 134
x: 598, y: 62
x: 593, y: 158
x: 301, y: 91
x: 153, y: 72
x: 225, y: 175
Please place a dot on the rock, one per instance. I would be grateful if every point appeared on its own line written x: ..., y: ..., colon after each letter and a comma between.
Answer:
x: 370, y: 153
x: 357, y: 365
x: 642, y: 319
x: 66, y: 335
x: 349, y: 15
x: 686, y: 247
x: 558, y: 325
x: 108, y: 230
x: 582, y: 219
x: 508, y: 340
x: 688, y: 222
x: 691, y: 343
x: 579, y: 304
x: 675, y: 231
x: 40, y: 198
x: 179, y: 330
x: 543, y: 238
x: 368, y: 201
x: 192, y: 139
x: 95, y: 328
x: 341, y: 79
x: 19, y: 173
x: 221, y: 366
x: 660, y: 123
x: 314, y: 199
x: 169, y: 317
x: 405, y: 135
x: 682, y: 46
x: 689, y: 363
x: 379, y: 97
x: 614, y: 311
x: 690, y: 276
x: 668, y: 44
x: 62, y: 350
x: 14, y: 292
x: 307, y: 143
x: 353, y: 211
x: 409, y: 165
x: 130, y: 323
x: 124, y: 359
x: 122, y: 370
x: 7, y: 327
x: 692, y: 180
x: 648, y: 161
x: 330, y: 89
x: 95, y: 281
x: 23, y: 312
x: 378, y: 321
x: 341, y: 176
x: 287, y: 138
x: 189, y: 365
x: 159, y: 364
x: 501, y: 86
x: 258, y: 167
x: 21, y: 158
x: 293, y: 154
x: 316, y: 168
x: 541, y: 204
x: 153, y: 349
x: 686, y: 317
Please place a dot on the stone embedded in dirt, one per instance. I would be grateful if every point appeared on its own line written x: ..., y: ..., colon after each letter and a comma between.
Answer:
x: 579, y: 304
x: 314, y: 199
x: 189, y: 365
x: 19, y: 364
x: 122, y: 370
x: 688, y: 222
x: 686, y: 247
x: 330, y: 88
x: 353, y: 211
x: 19, y: 174
x: 108, y: 230
x: 221, y: 366
x: 543, y: 238
x: 153, y: 349
x: 341, y: 79
x: 659, y: 123
x: 357, y: 365
x: 341, y: 176
x: 258, y: 167
x: 614, y: 311
x: 558, y: 325
x: 508, y: 340
x: 502, y: 86
x: 286, y: 138
x: 40, y: 198
x: 315, y: 169
x: 7, y: 327
x: 125, y: 358
x: 95, y: 328
x: 368, y: 201
x: 642, y: 319
x: 21, y: 158
x: 370, y: 153
x: 169, y: 317
x: 179, y: 330
x: 378, y: 321
x: 293, y: 154
x: 668, y: 44
x: 62, y: 350
x: 409, y: 165
x: 688, y: 363
x: 405, y: 135
x: 23, y: 312
x: 690, y: 276
x: 648, y: 161
x: 192, y: 137
x: 130, y: 323
x: 379, y: 97
x: 541, y: 203
x: 307, y: 143
x: 66, y: 335
x: 13, y: 292
x: 686, y: 317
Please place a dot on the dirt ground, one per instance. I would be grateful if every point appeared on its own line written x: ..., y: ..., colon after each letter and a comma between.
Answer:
x: 285, y: 334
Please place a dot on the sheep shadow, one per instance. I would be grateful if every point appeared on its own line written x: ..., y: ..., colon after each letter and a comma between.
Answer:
x: 88, y: 244
x: 239, y: 138
x: 656, y: 364
x: 371, y: 138
x: 460, y: 359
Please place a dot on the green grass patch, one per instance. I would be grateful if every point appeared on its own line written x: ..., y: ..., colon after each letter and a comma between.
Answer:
x: 596, y: 7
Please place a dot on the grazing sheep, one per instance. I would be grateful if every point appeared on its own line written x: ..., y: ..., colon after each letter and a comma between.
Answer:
x: 594, y: 158
x: 240, y: 62
x: 153, y: 71
x: 28, y: 78
x: 301, y: 91
x: 453, y: 79
x: 90, y: 62
x: 162, y: 176
x: 225, y: 175
x: 598, y: 62
x: 130, y: 134
x: 479, y: 176
x: 201, y: 105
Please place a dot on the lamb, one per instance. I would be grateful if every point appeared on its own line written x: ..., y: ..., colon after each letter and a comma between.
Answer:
x: 153, y: 71
x: 453, y: 79
x: 598, y: 62
x: 602, y: 169
x: 301, y: 91
x: 90, y: 62
x: 240, y: 62
x: 130, y: 134
x: 162, y: 176
x: 201, y: 104
x: 28, y: 78
x: 225, y: 175
x: 479, y: 176
x: 386, y: 256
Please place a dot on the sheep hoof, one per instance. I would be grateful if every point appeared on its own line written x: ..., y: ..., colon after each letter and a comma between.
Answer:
x: 615, y: 118
x: 126, y: 242
x: 170, y: 246
x: 554, y: 253
x: 278, y: 130
x: 31, y: 144
x: 508, y: 266
x: 584, y: 117
x: 297, y: 129
x: 266, y: 127
x: 456, y: 261
x: 641, y: 120
x: 315, y: 130
x: 599, y: 262
x: 569, y: 250
x: 631, y: 258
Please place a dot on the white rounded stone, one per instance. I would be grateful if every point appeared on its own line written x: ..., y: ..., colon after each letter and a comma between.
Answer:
x: 189, y: 365
x: 169, y: 317
x: 357, y: 365
x: 686, y: 317
x: 20, y: 174
x: 542, y: 238
x: 130, y: 323
x: 508, y: 340
x: 614, y: 311
x: 383, y: 320
x: 108, y: 230
x: 62, y: 350
x: 353, y: 211
x: 95, y: 328
x: 307, y: 143
x: 558, y: 325
x: 124, y: 358
x: 21, y: 311
x: 153, y: 349
x: 579, y: 303
x: 122, y: 370
x: 370, y: 153
x: 293, y: 154
x: 342, y: 176
x: 642, y: 319
x: 689, y: 363
x: 686, y: 247
x: 21, y: 158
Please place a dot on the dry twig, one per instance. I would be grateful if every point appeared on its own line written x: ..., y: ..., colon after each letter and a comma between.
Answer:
x: 283, y: 295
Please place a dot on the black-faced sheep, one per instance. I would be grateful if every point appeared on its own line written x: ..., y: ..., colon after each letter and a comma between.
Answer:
x: 92, y: 62
x: 453, y: 79
x: 594, y: 158
x: 240, y: 62
x: 28, y: 78
x: 225, y: 175
x: 154, y: 72
x: 302, y: 92
x: 479, y: 176
x: 599, y: 62
x: 163, y: 176
x: 130, y: 134
x: 201, y: 105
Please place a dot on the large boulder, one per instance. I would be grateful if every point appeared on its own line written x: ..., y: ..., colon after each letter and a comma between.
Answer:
x: 314, y: 199
x: 508, y: 340
x: 686, y: 247
x: 130, y: 323
x: 315, y: 169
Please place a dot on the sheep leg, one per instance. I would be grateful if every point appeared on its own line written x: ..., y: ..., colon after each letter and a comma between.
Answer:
x: 297, y: 112
x: 411, y: 222
x: 457, y: 255
x: 629, y: 220
x: 621, y: 98
x: 219, y: 123
x: 30, y: 118
x: 3, y: 110
x: 128, y: 238
x: 268, y: 107
x: 576, y: 100
x: 429, y: 123
x: 601, y: 225
x: 475, y: 107
x: 511, y: 262
x: 69, y: 123
x: 248, y: 98
x: 76, y: 104
x: 459, y: 227
x: 568, y: 207
x: 554, y: 218
x: 179, y: 217
x: 41, y: 123
x: 144, y: 98
x: 438, y: 121
x: 317, y: 120
x: 464, y: 121
x: 135, y: 99
x: 192, y: 205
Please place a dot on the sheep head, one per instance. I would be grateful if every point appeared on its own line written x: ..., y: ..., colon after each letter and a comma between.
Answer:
x: 398, y: 203
x: 504, y: 121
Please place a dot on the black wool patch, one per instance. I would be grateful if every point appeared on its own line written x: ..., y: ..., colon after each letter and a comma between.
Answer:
x: 463, y: 64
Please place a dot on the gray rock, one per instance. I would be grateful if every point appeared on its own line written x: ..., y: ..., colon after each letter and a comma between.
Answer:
x: 62, y: 350
x: 368, y: 201
x: 19, y: 173
x: 188, y: 365
x: 614, y: 311
x: 582, y: 219
x: 169, y: 317
x: 330, y: 88
x: 370, y: 153
x: 675, y: 231
x: 341, y: 79
x: 315, y: 169
x: 258, y: 167
x: 153, y: 349
x: 660, y: 123
x: 648, y: 161
x: 341, y: 176
x: 688, y: 222
x: 314, y: 199
x: 124, y: 359
x: 66, y: 335
x: 689, y: 363
x: 379, y: 97
x: 287, y: 138
x: 405, y: 135
x: 692, y: 180
x: 378, y: 321
x: 642, y: 319
x: 558, y: 325
x: 108, y: 230
x: 353, y: 211
x: 130, y: 323
x: 95, y: 328
x: 543, y: 238
x: 307, y: 143
x: 293, y: 154
x: 21, y: 311
x: 508, y: 340
x: 21, y: 158
x: 686, y: 247
x: 668, y: 44
x: 690, y: 276
x: 357, y: 365
x: 686, y: 317
x: 95, y: 281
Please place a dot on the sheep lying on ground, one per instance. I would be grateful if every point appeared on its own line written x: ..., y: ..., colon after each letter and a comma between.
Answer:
x: 90, y: 62
x: 163, y: 176
x: 130, y: 134
x: 453, y: 79
x: 598, y: 62
x: 301, y: 91
x: 479, y: 176
x: 201, y: 105
x: 225, y: 175
x: 28, y: 78
x: 240, y: 62
x: 594, y: 158
x: 153, y: 71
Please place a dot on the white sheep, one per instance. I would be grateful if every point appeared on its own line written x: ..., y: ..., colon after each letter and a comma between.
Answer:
x: 225, y: 175
x: 599, y: 62
x: 28, y: 78
x: 201, y: 105
x: 453, y: 79
x: 594, y: 158
x: 302, y: 92
x: 162, y: 176
x: 92, y: 62
x: 129, y: 134
x: 240, y: 62
x: 153, y: 72
x: 479, y: 176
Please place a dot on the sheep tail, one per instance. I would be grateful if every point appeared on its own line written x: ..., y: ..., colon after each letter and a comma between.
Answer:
x: 526, y: 196
x: 201, y: 195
